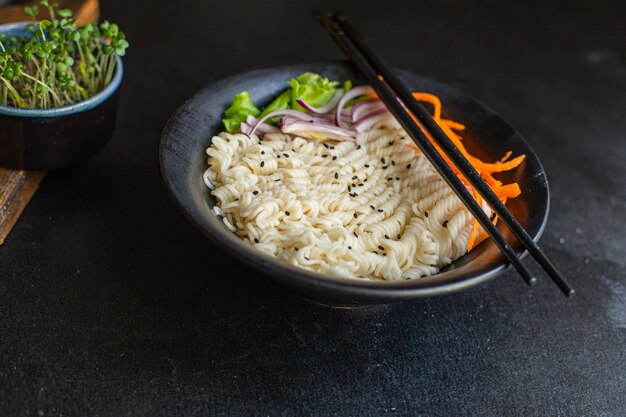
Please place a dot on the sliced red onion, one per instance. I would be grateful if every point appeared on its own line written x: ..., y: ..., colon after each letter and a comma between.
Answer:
x: 326, y: 107
x: 293, y: 113
x: 331, y: 132
x: 330, y: 117
x: 262, y: 127
x: 287, y: 120
x: 359, y: 110
x: 371, y: 114
x: 350, y: 94
x: 245, y: 128
x: 370, y: 122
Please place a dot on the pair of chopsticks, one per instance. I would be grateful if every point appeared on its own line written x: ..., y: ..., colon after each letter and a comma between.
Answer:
x: 398, y: 100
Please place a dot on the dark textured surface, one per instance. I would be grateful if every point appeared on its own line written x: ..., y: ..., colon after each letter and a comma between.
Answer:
x: 110, y: 303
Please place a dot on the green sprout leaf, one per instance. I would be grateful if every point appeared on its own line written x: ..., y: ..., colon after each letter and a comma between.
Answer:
x: 56, y: 62
x: 64, y: 13
x: 31, y: 11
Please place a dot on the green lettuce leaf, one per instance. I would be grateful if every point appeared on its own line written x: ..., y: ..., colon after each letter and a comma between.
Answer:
x: 281, y: 102
x: 239, y: 110
x: 312, y: 88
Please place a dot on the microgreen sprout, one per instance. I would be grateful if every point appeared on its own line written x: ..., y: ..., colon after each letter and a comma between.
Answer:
x: 56, y: 63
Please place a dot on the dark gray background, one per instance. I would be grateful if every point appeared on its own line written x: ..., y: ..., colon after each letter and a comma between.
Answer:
x: 111, y: 304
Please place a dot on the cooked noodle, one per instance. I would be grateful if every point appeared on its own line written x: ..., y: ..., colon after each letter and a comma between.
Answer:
x: 369, y: 209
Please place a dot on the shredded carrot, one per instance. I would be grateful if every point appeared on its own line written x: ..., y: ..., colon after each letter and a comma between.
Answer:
x: 453, y: 125
x: 506, y: 156
x: 485, y: 169
x: 432, y: 99
x: 484, y: 234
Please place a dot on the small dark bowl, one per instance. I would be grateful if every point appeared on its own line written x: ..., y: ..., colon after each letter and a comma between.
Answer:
x: 183, y: 161
x: 47, y: 139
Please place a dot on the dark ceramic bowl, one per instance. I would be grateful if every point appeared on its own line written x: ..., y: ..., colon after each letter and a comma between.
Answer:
x: 59, y: 137
x: 183, y: 161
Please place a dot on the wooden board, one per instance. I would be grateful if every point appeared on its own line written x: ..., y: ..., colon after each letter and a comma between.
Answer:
x: 84, y: 10
x: 18, y: 187
x: 16, y: 190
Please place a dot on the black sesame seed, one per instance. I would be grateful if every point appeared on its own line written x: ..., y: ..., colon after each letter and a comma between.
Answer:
x: 373, y: 208
x: 365, y: 180
x: 380, y: 210
x: 374, y: 252
x: 354, y: 177
x: 358, y: 147
x: 382, y: 160
x: 255, y: 192
x: 256, y: 240
x: 306, y: 258
x: 355, y: 235
x: 349, y: 188
x: 286, y: 155
x: 391, y: 143
x: 296, y: 249
x: 262, y: 152
x: 262, y: 164
x: 366, y: 166
x: 349, y: 247
x: 426, y: 213
x: 336, y: 176
x: 325, y: 145
x: 445, y: 224
x: 381, y: 247
x: 390, y: 179
x: 385, y: 167
x: 386, y: 236
x: 408, y: 166
x: 393, y: 163
x: 334, y: 158
x: 354, y: 215
x: 332, y: 147
x: 324, y: 156
x: 398, y: 236
x: 356, y: 195
x: 385, y: 254
x: 361, y: 185
x: 397, y: 179
x: 278, y: 156
x: 287, y: 213
x: 276, y: 180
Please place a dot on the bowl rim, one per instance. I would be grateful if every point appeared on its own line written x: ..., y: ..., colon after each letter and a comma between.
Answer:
x: 78, y: 107
x: 383, y: 291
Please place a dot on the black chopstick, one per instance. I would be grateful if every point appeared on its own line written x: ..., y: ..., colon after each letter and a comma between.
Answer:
x: 453, y: 154
x: 388, y: 97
